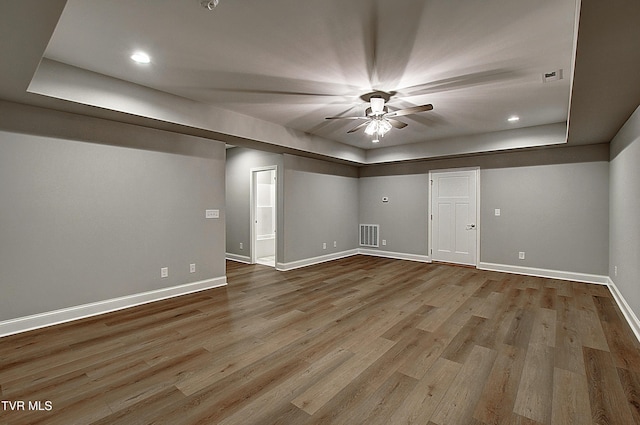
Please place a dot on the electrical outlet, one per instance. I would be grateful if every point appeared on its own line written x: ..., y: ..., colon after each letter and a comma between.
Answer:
x: 164, y: 272
x: 497, y: 212
x: 212, y: 214
x: 335, y: 244
x: 521, y: 255
x: 384, y: 242
x: 241, y: 245
x: 192, y: 268
x: 324, y: 245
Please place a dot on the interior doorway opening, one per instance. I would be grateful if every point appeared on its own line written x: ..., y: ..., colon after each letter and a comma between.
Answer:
x: 263, y: 215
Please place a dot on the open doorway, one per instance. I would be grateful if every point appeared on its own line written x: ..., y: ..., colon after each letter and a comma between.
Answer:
x: 263, y: 215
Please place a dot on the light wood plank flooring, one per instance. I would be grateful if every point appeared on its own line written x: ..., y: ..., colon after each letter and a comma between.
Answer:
x: 362, y: 340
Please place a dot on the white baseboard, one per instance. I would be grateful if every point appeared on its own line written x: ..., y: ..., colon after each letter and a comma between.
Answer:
x: 238, y: 258
x: 631, y: 317
x: 358, y: 251
x: 315, y: 260
x: 552, y: 274
x: 395, y: 255
x: 23, y: 324
x: 36, y: 321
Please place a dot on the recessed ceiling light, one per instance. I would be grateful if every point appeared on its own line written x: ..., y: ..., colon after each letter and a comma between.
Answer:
x: 513, y: 118
x: 140, y: 57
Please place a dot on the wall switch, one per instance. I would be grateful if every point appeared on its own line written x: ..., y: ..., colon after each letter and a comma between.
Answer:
x: 241, y: 245
x: 384, y: 242
x: 521, y: 255
x: 212, y: 214
x: 192, y: 268
x: 324, y: 245
x: 335, y: 244
x: 497, y: 212
x: 164, y: 272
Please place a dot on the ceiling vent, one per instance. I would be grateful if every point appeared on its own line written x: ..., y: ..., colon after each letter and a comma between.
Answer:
x: 550, y: 76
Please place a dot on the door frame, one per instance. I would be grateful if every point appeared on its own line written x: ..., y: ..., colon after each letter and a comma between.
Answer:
x: 252, y: 208
x: 430, y: 208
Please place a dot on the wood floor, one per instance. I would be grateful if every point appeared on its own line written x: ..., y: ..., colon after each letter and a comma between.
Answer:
x: 362, y: 340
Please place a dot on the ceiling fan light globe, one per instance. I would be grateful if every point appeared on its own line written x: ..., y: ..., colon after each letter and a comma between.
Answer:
x: 383, y: 127
x: 372, y: 128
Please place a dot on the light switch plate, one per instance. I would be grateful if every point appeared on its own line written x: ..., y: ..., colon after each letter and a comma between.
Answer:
x: 497, y: 212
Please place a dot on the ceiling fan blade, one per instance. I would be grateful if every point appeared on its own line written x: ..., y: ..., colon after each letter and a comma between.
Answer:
x: 371, y: 27
x: 396, y: 123
x: 358, y: 127
x: 462, y: 81
x: 346, y: 118
x: 409, y: 111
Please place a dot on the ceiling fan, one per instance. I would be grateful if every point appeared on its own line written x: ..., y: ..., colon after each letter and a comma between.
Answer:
x: 378, y: 120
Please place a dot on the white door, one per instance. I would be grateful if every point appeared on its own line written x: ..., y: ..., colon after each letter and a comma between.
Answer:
x: 454, y: 228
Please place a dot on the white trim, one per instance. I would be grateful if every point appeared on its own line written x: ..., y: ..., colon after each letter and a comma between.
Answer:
x: 429, y: 213
x: 36, y: 321
x: 395, y: 255
x: 358, y: 251
x: 628, y: 313
x: 478, y: 206
x: 238, y: 258
x: 552, y: 274
x: 252, y: 210
x: 451, y: 170
x: 315, y: 260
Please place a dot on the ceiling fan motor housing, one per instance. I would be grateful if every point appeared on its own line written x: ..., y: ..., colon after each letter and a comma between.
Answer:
x: 377, y: 105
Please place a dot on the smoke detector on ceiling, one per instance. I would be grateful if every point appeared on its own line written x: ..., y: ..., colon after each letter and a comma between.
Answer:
x: 209, y: 4
x: 550, y: 76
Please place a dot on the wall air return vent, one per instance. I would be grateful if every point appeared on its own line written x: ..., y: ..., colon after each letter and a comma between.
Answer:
x: 369, y: 235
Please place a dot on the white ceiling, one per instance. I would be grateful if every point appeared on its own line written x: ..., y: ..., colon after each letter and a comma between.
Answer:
x: 265, y: 74
x: 294, y: 62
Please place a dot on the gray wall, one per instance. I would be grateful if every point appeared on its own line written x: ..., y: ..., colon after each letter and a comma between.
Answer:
x: 554, y: 206
x: 320, y: 206
x: 92, y: 209
x: 624, y: 234
x: 402, y: 220
x: 240, y: 161
x: 557, y: 214
x: 84, y: 221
